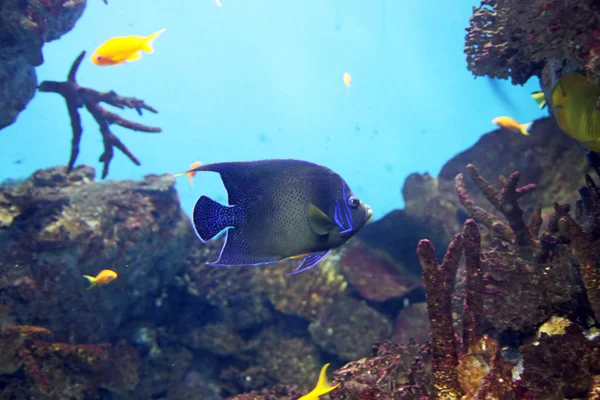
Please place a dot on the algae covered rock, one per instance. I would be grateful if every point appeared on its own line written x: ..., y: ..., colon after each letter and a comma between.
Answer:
x: 53, y: 370
x: 59, y: 227
x: 349, y: 328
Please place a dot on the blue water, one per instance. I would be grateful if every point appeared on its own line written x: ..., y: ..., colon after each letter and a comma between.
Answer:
x: 254, y: 80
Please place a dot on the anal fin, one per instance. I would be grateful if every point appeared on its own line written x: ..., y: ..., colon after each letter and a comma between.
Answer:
x: 134, y: 56
x: 310, y: 261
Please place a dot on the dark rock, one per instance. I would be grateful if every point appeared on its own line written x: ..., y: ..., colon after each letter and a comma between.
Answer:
x: 349, y: 329
x: 24, y: 28
x: 57, y: 227
x: 412, y: 323
x: 374, y: 275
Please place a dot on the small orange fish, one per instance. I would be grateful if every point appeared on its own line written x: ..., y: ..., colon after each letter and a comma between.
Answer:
x: 347, y: 79
x: 121, y: 49
x: 191, y: 174
x: 512, y: 125
x: 105, y: 276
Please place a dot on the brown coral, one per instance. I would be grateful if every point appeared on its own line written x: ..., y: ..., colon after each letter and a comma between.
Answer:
x: 78, y: 96
x: 523, y: 283
x: 512, y: 38
x: 439, y: 283
x: 61, y: 370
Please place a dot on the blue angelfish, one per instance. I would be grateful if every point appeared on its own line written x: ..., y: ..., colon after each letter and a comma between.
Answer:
x: 279, y: 209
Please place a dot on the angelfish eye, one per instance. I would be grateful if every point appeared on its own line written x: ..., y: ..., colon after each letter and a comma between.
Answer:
x: 353, y: 202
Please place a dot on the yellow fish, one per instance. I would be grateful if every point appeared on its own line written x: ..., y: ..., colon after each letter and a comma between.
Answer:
x: 574, y: 100
x: 540, y: 98
x: 512, y: 125
x: 323, y: 386
x: 347, y: 79
x: 190, y: 173
x: 123, y: 48
x: 105, y: 276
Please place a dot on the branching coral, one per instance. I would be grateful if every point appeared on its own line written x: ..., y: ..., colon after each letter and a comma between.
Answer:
x: 78, y: 96
x: 512, y: 38
x: 439, y: 284
x: 525, y: 278
x: 514, y: 228
x: 516, y: 285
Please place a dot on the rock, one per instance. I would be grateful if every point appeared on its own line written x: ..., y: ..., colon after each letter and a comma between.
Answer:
x: 289, y: 360
x: 24, y: 28
x: 374, y: 275
x: 412, y: 323
x: 12, y: 339
x: 308, y: 294
x: 391, y: 372
x: 349, y: 328
x: 215, y: 338
x: 161, y: 373
x: 52, y: 370
x: 58, y: 227
x: 194, y: 387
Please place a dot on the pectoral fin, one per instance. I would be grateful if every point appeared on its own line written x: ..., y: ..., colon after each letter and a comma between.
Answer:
x: 320, y: 223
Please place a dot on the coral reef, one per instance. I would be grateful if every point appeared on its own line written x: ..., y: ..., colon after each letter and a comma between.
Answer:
x: 392, y: 372
x: 24, y: 28
x: 522, y: 331
x: 55, y: 227
x: 60, y: 370
x: 540, y: 282
x: 510, y: 38
x: 509, y: 314
x: 77, y: 96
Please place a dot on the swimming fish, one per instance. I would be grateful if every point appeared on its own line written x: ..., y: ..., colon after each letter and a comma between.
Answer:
x: 105, y: 276
x: 512, y: 124
x: 279, y: 209
x: 540, y: 98
x: 123, y: 48
x: 347, y: 79
x: 191, y: 174
x: 574, y: 100
x: 323, y: 386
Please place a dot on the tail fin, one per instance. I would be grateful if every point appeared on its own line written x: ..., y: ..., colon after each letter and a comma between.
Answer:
x: 210, y: 218
x: 92, y: 281
x: 323, y: 385
x: 147, y: 43
x: 524, y: 128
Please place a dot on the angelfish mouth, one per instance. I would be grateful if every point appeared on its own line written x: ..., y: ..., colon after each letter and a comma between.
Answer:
x: 368, y: 211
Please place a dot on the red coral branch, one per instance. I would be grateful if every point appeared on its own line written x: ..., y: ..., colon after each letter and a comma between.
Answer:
x: 77, y: 96
x: 493, y: 223
x: 506, y: 201
x: 439, y: 284
x: 582, y: 249
x: 475, y: 285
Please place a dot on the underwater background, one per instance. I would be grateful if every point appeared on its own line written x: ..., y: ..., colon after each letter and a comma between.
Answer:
x: 406, y: 203
x: 250, y: 81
